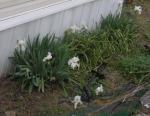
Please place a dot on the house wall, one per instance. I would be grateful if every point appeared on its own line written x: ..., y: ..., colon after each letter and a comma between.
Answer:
x: 58, y: 22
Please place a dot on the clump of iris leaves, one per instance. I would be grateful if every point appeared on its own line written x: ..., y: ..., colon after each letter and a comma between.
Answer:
x: 115, y: 36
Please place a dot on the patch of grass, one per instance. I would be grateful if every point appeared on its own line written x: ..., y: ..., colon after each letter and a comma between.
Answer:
x: 119, y: 33
x: 136, y: 68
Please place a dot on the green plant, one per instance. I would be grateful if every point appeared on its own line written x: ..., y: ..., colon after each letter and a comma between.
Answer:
x: 119, y: 34
x: 112, y: 37
x: 84, y: 46
x: 147, y: 36
x: 136, y: 68
x: 30, y: 69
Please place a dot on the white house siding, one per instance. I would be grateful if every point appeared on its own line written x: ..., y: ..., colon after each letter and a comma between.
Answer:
x: 57, y: 23
x: 12, y: 7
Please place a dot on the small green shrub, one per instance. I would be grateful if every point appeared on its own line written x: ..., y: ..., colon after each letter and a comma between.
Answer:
x: 30, y: 69
x: 136, y: 68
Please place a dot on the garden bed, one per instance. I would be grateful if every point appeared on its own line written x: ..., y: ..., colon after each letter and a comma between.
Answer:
x: 112, y: 57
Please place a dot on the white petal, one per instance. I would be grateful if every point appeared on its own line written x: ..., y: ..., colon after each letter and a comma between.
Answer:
x: 75, y: 105
x: 99, y: 90
x: 147, y: 106
x: 84, y: 25
x: 75, y: 59
x: 73, y: 65
x: 75, y: 28
x: 69, y: 62
x: 44, y: 59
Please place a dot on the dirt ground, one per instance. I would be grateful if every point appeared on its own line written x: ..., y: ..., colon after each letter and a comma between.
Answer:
x: 25, y: 104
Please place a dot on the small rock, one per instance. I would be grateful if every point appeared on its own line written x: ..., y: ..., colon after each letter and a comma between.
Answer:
x: 10, y: 113
x: 112, y: 107
x: 145, y: 101
x: 142, y: 114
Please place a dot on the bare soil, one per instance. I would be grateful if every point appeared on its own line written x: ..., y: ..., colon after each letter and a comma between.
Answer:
x: 25, y: 104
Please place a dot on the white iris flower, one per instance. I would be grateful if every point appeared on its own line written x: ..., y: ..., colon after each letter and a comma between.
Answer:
x: 76, y: 101
x: 138, y: 9
x: 147, y: 106
x: 74, y: 62
x: 84, y: 25
x: 75, y: 28
x: 48, y: 57
x: 21, y: 44
x: 99, y: 89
